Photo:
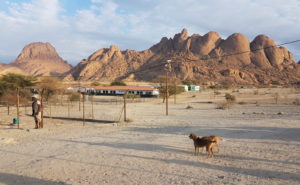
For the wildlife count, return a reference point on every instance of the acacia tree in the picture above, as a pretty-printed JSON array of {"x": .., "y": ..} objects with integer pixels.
[
  {"x": 172, "y": 87},
  {"x": 48, "y": 86},
  {"x": 15, "y": 83}
]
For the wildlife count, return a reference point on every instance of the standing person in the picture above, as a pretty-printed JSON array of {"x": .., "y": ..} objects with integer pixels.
[{"x": 36, "y": 111}]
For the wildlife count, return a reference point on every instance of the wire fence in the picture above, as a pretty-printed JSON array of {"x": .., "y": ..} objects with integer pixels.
[{"x": 97, "y": 109}]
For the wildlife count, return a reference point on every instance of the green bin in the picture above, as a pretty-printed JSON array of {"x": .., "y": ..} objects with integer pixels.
[{"x": 16, "y": 121}]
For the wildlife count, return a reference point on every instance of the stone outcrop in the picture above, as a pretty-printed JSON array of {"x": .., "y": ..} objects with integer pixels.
[
  {"x": 109, "y": 64},
  {"x": 207, "y": 58},
  {"x": 40, "y": 59}
]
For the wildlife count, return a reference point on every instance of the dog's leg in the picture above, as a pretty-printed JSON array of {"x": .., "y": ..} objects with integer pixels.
[
  {"x": 218, "y": 147},
  {"x": 211, "y": 152}
]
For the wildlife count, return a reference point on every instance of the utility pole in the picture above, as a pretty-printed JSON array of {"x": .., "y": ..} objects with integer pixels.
[
  {"x": 167, "y": 68},
  {"x": 42, "y": 109},
  {"x": 92, "y": 99},
  {"x": 79, "y": 93},
  {"x": 83, "y": 110},
  {"x": 175, "y": 91},
  {"x": 125, "y": 96},
  {"x": 18, "y": 103}
]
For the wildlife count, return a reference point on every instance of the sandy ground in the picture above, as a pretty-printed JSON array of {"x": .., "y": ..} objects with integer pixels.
[{"x": 261, "y": 143}]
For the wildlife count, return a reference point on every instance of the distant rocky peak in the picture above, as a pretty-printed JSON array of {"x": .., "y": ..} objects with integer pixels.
[{"x": 37, "y": 50}]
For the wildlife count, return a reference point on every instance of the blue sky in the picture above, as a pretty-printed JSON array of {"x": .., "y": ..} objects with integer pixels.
[{"x": 77, "y": 28}]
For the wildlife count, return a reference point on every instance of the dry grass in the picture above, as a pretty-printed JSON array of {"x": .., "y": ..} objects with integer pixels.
[
  {"x": 189, "y": 107},
  {"x": 128, "y": 120},
  {"x": 242, "y": 103},
  {"x": 224, "y": 105},
  {"x": 230, "y": 97},
  {"x": 296, "y": 101}
]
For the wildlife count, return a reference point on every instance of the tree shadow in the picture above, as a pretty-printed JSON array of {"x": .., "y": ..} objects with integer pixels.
[
  {"x": 12, "y": 179},
  {"x": 272, "y": 133},
  {"x": 251, "y": 172},
  {"x": 77, "y": 119},
  {"x": 135, "y": 146},
  {"x": 117, "y": 167},
  {"x": 167, "y": 148},
  {"x": 81, "y": 119}
]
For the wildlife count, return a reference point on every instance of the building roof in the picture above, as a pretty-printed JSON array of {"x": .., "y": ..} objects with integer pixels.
[{"x": 122, "y": 88}]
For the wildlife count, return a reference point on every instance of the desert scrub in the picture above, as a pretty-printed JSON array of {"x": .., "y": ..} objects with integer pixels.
[
  {"x": 255, "y": 92},
  {"x": 189, "y": 107},
  {"x": 74, "y": 96},
  {"x": 296, "y": 101},
  {"x": 242, "y": 103},
  {"x": 224, "y": 105},
  {"x": 217, "y": 92},
  {"x": 230, "y": 98}
]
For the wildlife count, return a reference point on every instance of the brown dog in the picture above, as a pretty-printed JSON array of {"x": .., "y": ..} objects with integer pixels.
[
  {"x": 217, "y": 140},
  {"x": 202, "y": 142}
]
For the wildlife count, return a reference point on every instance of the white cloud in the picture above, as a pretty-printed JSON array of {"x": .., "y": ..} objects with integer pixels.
[{"x": 137, "y": 24}]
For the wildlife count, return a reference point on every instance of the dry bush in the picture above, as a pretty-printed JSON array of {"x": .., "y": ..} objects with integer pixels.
[
  {"x": 74, "y": 96},
  {"x": 128, "y": 120},
  {"x": 224, "y": 105},
  {"x": 242, "y": 103},
  {"x": 189, "y": 107},
  {"x": 230, "y": 98},
  {"x": 235, "y": 91},
  {"x": 10, "y": 97},
  {"x": 276, "y": 97},
  {"x": 217, "y": 92},
  {"x": 296, "y": 101}
]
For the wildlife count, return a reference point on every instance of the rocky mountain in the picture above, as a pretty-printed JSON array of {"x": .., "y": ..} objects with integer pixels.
[
  {"x": 207, "y": 58},
  {"x": 38, "y": 59}
]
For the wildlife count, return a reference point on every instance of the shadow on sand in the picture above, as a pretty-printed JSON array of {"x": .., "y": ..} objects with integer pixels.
[
  {"x": 272, "y": 133},
  {"x": 12, "y": 179},
  {"x": 267, "y": 174}
]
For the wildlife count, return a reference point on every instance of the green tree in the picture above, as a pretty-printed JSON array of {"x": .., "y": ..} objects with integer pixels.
[
  {"x": 95, "y": 84},
  {"x": 13, "y": 81},
  {"x": 13, "y": 85},
  {"x": 118, "y": 83},
  {"x": 49, "y": 86}
]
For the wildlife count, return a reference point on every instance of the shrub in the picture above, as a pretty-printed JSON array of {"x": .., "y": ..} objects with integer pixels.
[
  {"x": 118, "y": 83},
  {"x": 132, "y": 96},
  {"x": 128, "y": 120},
  {"x": 230, "y": 98},
  {"x": 217, "y": 92},
  {"x": 242, "y": 103},
  {"x": 189, "y": 107},
  {"x": 296, "y": 101},
  {"x": 74, "y": 96},
  {"x": 171, "y": 89},
  {"x": 224, "y": 105},
  {"x": 95, "y": 84},
  {"x": 276, "y": 97}
]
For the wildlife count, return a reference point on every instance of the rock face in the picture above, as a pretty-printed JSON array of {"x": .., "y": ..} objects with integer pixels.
[
  {"x": 37, "y": 59},
  {"x": 41, "y": 59},
  {"x": 207, "y": 58},
  {"x": 109, "y": 64}
]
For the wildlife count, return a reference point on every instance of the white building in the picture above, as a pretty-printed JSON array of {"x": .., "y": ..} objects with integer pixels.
[{"x": 143, "y": 91}]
